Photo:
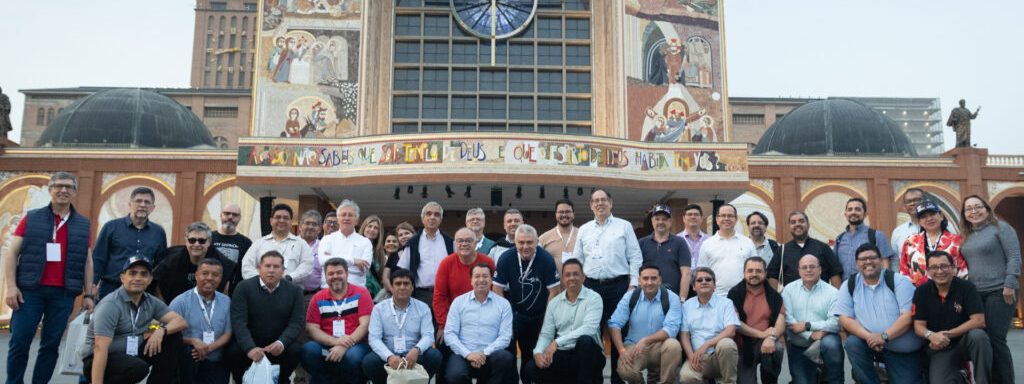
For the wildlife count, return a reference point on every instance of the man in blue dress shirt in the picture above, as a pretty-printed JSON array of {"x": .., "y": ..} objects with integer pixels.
[{"x": 478, "y": 329}]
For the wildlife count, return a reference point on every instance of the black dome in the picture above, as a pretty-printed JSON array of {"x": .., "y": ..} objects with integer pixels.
[
  {"x": 835, "y": 127},
  {"x": 126, "y": 117}
]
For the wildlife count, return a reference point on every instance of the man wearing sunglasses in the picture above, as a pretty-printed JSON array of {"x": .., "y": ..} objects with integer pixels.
[
  {"x": 709, "y": 324},
  {"x": 177, "y": 273}
]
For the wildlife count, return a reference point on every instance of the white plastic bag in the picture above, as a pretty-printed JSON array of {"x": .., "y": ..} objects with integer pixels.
[
  {"x": 261, "y": 372},
  {"x": 71, "y": 354},
  {"x": 414, "y": 375}
]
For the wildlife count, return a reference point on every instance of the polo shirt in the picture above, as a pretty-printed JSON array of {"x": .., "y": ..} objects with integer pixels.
[
  {"x": 647, "y": 316},
  {"x": 608, "y": 250},
  {"x": 53, "y": 272},
  {"x": 117, "y": 317},
  {"x": 877, "y": 307},
  {"x": 324, "y": 309},
  {"x": 726, "y": 258},
  {"x": 705, "y": 321},
  {"x": 527, "y": 283},
  {"x": 190, "y": 306},
  {"x": 119, "y": 240},
  {"x": 847, "y": 245},
  {"x": 669, "y": 256},
  {"x": 945, "y": 313},
  {"x": 789, "y": 261}
]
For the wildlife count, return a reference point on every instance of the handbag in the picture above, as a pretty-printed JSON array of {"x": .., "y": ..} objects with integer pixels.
[
  {"x": 71, "y": 353},
  {"x": 415, "y": 375},
  {"x": 261, "y": 372}
]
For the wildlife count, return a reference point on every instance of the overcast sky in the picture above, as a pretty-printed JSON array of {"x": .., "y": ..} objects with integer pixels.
[{"x": 780, "y": 48}]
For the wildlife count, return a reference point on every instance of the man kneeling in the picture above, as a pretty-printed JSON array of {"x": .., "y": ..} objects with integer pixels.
[
  {"x": 643, "y": 329},
  {"x": 478, "y": 329},
  {"x": 709, "y": 324},
  {"x": 948, "y": 312}
]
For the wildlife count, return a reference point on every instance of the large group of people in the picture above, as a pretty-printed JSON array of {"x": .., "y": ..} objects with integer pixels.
[{"x": 349, "y": 301}]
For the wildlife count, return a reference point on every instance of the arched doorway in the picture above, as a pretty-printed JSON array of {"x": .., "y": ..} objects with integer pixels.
[{"x": 1011, "y": 210}]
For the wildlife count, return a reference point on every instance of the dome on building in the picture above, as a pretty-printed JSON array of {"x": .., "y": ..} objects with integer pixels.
[
  {"x": 126, "y": 118},
  {"x": 835, "y": 127}
]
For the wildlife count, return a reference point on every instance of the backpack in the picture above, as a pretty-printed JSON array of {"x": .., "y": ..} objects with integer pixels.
[
  {"x": 888, "y": 275},
  {"x": 635, "y": 297},
  {"x": 871, "y": 237}
]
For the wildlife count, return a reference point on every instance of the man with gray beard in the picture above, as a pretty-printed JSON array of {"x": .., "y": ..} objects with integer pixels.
[{"x": 229, "y": 242}]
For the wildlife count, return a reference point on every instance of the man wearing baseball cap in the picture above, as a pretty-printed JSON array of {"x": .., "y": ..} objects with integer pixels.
[
  {"x": 119, "y": 347},
  {"x": 669, "y": 252}
]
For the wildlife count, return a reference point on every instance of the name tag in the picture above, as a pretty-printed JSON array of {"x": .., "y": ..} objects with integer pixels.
[
  {"x": 53, "y": 252},
  {"x": 338, "y": 329},
  {"x": 208, "y": 337},
  {"x": 399, "y": 344},
  {"x": 133, "y": 346}
]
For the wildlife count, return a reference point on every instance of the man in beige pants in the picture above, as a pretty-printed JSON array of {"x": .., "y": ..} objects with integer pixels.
[
  {"x": 643, "y": 327},
  {"x": 709, "y": 325}
]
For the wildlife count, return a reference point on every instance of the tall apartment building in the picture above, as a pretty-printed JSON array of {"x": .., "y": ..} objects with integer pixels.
[{"x": 224, "y": 45}]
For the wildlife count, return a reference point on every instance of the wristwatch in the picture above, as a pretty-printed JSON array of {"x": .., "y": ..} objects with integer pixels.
[
  {"x": 928, "y": 334},
  {"x": 885, "y": 337},
  {"x": 807, "y": 326}
]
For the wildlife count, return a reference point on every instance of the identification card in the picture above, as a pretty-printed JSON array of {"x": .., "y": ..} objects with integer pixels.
[
  {"x": 399, "y": 344},
  {"x": 53, "y": 252},
  {"x": 208, "y": 337},
  {"x": 338, "y": 329},
  {"x": 133, "y": 346}
]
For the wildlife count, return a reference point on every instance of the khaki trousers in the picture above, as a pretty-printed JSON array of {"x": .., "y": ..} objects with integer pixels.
[
  {"x": 665, "y": 356},
  {"x": 719, "y": 365}
]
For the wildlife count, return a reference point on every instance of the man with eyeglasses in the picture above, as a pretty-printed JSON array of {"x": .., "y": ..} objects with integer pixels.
[
  {"x": 706, "y": 334},
  {"x": 298, "y": 257},
  {"x": 726, "y": 251},
  {"x": 229, "y": 242},
  {"x": 610, "y": 253},
  {"x": 527, "y": 278},
  {"x": 330, "y": 224},
  {"x": 46, "y": 266},
  {"x": 177, "y": 273},
  {"x": 812, "y": 333},
  {"x": 693, "y": 218},
  {"x": 876, "y": 315},
  {"x": 559, "y": 241},
  {"x": 475, "y": 220},
  {"x": 453, "y": 277},
  {"x": 131, "y": 236},
  {"x": 950, "y": 316}
]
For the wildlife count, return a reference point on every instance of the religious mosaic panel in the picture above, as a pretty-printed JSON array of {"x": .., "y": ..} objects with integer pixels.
[
  {"x": 675, "y": 77},
  {"x": 307, "y": 65}
]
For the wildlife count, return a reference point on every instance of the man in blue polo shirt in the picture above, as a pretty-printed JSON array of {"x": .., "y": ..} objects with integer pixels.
[
  {"x": 208, "y": 314},
  {"x": 130, "y": 236},
  {"x": 877, "y": 318},
  {"x": 669, "y": 252}
]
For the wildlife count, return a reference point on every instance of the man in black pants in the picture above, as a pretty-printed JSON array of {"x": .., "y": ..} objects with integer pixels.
[{"x": 266, "y": 318}]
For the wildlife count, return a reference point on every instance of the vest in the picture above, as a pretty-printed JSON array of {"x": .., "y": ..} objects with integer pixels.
[
  {"x": 38, "y": 232},
  {"x": 414, "y": 251},
  {"x": 738, "y": 295}
]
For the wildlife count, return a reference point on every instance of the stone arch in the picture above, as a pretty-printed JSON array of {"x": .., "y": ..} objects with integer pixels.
[
  {"x": 113, "y": 201},
  {"x": 824, "y": 206}
]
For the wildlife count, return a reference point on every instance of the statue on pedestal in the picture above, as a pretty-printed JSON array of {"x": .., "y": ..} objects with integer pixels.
[
  {"x": 960, "y": 119},
  {"x": 5, "y": 114}
]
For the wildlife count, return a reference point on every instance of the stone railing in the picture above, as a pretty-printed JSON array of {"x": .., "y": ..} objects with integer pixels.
[{"x": 1005, "y": 161}]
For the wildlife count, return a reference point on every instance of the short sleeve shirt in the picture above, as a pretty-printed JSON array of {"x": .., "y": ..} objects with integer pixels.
[
  {"x": 324, "y": 310},
  {"x": 191, "y": 307},
  {"x": 231, "y": 246},
  {"x": 117, "y": 317},
  {"x": 527, "y": 283},
  {"x": 944, "y": 313},
  {"x": 669, "y": 256}
]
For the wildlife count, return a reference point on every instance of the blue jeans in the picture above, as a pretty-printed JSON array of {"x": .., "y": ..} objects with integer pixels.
[
  {"x": 348, "y": 370},
  {"x": 52, "y": 306},
  {"x": 901, "y": 367},
  {"x": 373, "y": 365},
  {"x": 997, "y": 324},
  {"x": 804, "y": 371},
  {"x": 499, "y": 369}
]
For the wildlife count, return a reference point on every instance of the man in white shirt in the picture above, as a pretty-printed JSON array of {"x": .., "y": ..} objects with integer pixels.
[
  {"x": 298, "y": 257},
  {"x": 348, "y": 244},
  {"x": 423, "y": 253},
  {"x": 726, "y": 251}
]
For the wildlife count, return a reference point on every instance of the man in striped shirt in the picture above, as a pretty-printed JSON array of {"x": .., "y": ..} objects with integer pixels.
[{"x": 337, "y": 320}]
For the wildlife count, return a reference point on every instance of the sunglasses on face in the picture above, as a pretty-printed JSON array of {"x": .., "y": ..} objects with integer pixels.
[
  {"x": 704, "y": 280},
  {"x": 193, "y": 240}
]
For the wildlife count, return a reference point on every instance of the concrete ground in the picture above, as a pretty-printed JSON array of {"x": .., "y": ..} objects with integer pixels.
[{"x": 1015, "y": 339}]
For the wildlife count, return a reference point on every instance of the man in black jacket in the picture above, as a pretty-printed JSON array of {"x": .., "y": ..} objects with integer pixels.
[
  {"x": 762, "y": 323},
  {"x": 424, "y": 252},
  {"x": 177, "y": 272},
  {"x": 266, "y": 318}
]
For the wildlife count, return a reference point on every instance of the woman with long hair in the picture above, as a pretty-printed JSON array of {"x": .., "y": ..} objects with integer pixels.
[
  {"x": 934, "y": 236},
  {"x": 992, "y": 249},
  {"x": 393, "y": 243},
  {"x": 372, "y": 229}
]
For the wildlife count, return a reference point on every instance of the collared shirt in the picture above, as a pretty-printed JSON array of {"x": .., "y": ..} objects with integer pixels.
[
  {"x": 877, "y": 307},
  {"x": 901, "y": 233},
  {"x": 351, "y": 248},
  {"x": 694, "y": 244},
  {"x": 789, "y": 261},
  {"x": 846, "y": 247},
  {"x": 705, "y": 321},
  {"x": 498, "y": 249},
  {"x": 942, "y": 313},
  {"x": 527, "y": 284},
  {"x": 560, "y": 246},
  {"x": 119, "y": 240},
  {"x": 609, "y": 250},
  {"x": 647, "y": 317},
  {"x": 298, "y": 258},
  {"x": 325, "y": 310},
  {"x": 432, "y": 252},
  {"x": 267, "y": 288},
  {"x": 912, "y": 257},
  {"x": 565, "y": 322},
  {"x": 191, "y": 308},
  {"x": 764, "y": 250},
  {"x": 669, "y": 256},
  {"x": 814, "y": 305},
  {"x": 312, "y": 282},
  {"x": 726, "y": 258},
  {"x": 117, "y": 317},
  {"x": 473, "y": 326},
  {"x": 416, "y": 327}
]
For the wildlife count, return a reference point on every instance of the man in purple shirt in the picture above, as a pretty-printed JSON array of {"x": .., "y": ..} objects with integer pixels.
[{"x": 693, "y": 217}]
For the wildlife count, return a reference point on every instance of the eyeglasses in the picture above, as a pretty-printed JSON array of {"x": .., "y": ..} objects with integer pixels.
[
  {"x": 200, "y": 240},
  {"x": 704, "y": 280},
  {"x": 465, "y": 241},
  {"x": 938, "y": 268},
  {"x": 868, "y": 258},
  {"x": 727, "y": 216},
  {"x": 600, "y": 200},
  {"x": 231, "y": 214},
  {"x": 974, "y": 208},
  {"x": 60, "y": 187}
]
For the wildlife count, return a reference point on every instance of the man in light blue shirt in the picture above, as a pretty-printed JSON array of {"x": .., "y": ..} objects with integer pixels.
[
  {"x": 877, "y": 318},
  {"x": 809, "y": 304},
  {"x": 858, "y": 233},
  {"x": 208, "y": 314},
  {"x": 400, "y": 331},
  {"x": 568, "y": 345},
  {"x": 650, "y": 317},
  {"x": 478, "y": 329},
  {"x": 709, "y": 324}
]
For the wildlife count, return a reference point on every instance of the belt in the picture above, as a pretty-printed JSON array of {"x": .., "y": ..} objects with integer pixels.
[{"x": 613, "y": 280}]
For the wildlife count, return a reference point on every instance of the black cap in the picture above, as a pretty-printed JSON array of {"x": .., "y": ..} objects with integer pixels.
[
  {"x": 927, "y": 206},
  {"x": 661, "y": 208},
  {"x": 137, "y": 260}
]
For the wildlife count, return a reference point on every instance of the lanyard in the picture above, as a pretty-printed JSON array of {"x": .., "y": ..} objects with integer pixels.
[
  {"x": 526, "y": 272},
  {"x": 57, "y": 227},
  {"x": 207, "y": 315},
  {"x": 565, "y": 240},
  {"x": 135, "y": 320},
  {"x": 394, "y": 311}
]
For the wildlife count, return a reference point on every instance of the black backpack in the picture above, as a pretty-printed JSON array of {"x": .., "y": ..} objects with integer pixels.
[
  {"x": 635, "y": 297},
  {"x": 871, "y": 237},
  {"x": 888, "y": 275}
]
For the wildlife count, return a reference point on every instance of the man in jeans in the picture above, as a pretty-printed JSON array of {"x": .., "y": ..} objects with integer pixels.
[
  {"x": 809, "y": 302},
  {"x": 44, "y": 272}
]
